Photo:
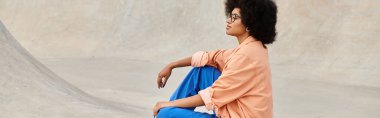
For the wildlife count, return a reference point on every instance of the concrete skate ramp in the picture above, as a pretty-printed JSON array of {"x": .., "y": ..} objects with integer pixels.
[
  {"x": 321, "y": 37},
  {"x": 325, "y": 62},
  {"x": 328, "y": 40},
  {"x": 118, "y": 28},
  {"x": 29, "y": 89}
]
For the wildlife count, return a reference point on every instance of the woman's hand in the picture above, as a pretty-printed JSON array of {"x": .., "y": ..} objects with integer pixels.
[
  {"x": 163, "y": 76},
  {"x": 158, "y": 106}
]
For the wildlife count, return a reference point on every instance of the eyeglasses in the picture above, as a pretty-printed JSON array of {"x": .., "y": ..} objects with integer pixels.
[{"x": 233, "y": 17}]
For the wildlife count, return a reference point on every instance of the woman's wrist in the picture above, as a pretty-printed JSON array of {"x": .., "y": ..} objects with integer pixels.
[
  {"x": 172, "y": 65},
  {"x": 169, "y": 104}
]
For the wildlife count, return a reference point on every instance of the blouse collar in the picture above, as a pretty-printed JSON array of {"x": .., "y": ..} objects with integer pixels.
[{"x": 248, "y": 40}]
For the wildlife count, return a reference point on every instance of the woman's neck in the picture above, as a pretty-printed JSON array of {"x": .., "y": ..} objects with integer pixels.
[{"x": 242, "y": 37}]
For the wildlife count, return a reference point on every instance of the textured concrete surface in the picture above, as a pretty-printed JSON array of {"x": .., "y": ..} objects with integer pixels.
[
  {"x": 325, "y": 62},
  {"x": 29, "y": 89}
]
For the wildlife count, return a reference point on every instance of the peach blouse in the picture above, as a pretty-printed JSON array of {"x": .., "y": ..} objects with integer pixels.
[{"x": 244, "y": 88}]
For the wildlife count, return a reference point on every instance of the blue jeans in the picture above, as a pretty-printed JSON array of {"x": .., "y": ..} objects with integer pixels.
[{"x": 197, "y": 79}]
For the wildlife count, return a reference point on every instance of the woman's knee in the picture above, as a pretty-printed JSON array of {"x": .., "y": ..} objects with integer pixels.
[{"x": 211, "y": 69}]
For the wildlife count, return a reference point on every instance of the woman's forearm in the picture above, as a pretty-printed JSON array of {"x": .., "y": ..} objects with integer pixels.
[
  {"x": 193, "y": 101},
  {"x": 181, "y": 63}
]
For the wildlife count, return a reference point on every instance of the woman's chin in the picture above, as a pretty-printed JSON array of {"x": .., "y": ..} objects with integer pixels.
[{"x": 229, "y": 33}]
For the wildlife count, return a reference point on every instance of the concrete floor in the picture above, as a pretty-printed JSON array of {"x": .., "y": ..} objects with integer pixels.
[{"x": 132, "y": 82}]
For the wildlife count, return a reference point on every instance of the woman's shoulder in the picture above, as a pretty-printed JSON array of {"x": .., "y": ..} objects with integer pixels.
[{"x": 254, "y": 50}]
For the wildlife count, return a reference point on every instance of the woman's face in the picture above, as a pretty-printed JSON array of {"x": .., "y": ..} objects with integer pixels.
[{"x": 235, "y": 26}]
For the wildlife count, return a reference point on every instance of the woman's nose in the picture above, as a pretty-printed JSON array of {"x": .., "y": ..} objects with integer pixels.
[{"x": 228, "y": 21}]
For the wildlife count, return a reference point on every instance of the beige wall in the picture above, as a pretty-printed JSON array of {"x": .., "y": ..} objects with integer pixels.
[{"x": 317, "y": 39}]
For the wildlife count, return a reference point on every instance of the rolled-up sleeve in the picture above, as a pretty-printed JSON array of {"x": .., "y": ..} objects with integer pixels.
[
  {"x": 237, "y": 79},
  {"x": 206, "y": 97},
  {"x": 212, "y": 58}
]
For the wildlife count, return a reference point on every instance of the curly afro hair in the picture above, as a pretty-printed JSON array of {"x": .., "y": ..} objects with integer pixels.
[{"x": 259, "y": 16}]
